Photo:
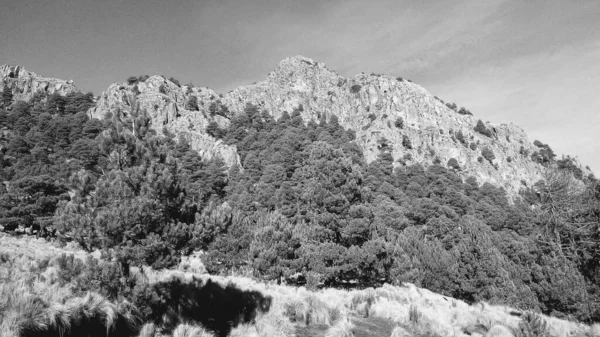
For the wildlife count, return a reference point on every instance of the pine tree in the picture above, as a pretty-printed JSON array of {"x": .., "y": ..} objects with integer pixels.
[{"x": 7, "y": 96}]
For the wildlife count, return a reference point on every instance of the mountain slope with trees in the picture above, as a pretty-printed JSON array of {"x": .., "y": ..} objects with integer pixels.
[{"x": 303, "y": 202}]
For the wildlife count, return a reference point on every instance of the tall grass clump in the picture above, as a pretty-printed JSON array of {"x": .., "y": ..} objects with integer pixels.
[
  {"x": 187, "y": 330},
  {"x": 343, "y": 328},
  {"x": 532, "y": 325}
]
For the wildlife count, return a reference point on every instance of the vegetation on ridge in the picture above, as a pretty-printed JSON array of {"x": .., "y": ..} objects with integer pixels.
[{"x": 305, "y": 208}]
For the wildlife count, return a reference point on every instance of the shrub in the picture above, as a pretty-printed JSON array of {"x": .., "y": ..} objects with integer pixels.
[
  {"x": 7, "y": 96},
  {"x": 568, "y": 164},
  {"x": 463, "y": 111},
  {"x": 414, "y": 315},
  {"x": 480, "y": 159},
  {"x": 192, "y": 104},
  {"x": 538, "y": 143},
  {"x": 399, "y": 79},
  {"x": 488, "y": 154},
  {"x": 214, "y": 130},
  {"x": 175, "y": 81},
  {"x": 406, "y": 142},
  {"x": 480, "y": 127},
  {"x": 453, "y": 163},
  {"x": 532, "y": 325},
  {"x": 473, "y": 146},
  {"x": 509, "y": 159},
  {"x": 372, "y": 117},
  {"x": 399, "y": 123},
  {"x": 143, "y": 78},
  {"x": 451, "y": 106},
  {"x": 162, "y": 89},
  {"x": 132, "y": 80},
  {"x": 461, "y": 138},
  {"x": 355, "y": 88}
]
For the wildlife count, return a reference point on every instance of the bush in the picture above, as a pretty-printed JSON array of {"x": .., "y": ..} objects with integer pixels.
[
  {"x": 214, "y": 130},
  {"x": 453, "y": 163},
  {"x": 399, "y": 123},
  {"x": 355, "y": 88},
  {"x": 451, "y": 106},
  {"x": 162, "y": 89},
  {"x": 463, "y": 111},
  {"x": 461, "y": 138},
  {"x": 488, "y": 154},
  {"x": 399, "y": 79},
  {"x": 143, "y": 78},
  {"x": 480, "y": 127},
  {"x": 175, "y": 81},
  {"x": 473, "y": 146},
  {"x": 192, "y": 104},
  {"x": 372, "y": 117},
  {"x": 406, "y": 142},
  {"x": 532, "y": 324},
  {"x": 132, "y": 80}
]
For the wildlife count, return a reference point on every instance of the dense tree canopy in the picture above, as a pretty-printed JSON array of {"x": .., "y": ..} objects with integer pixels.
[{"x": 304, "y": 206}]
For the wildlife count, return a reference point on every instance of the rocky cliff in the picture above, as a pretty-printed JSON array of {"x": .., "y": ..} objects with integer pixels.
[
  {"x": 24, "y": 83},
  {"x": 167, "y": 105},
  {"x": 397, "y": 114}
]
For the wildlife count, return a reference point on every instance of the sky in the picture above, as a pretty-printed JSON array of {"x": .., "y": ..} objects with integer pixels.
[{"x": 535, "y": 63}]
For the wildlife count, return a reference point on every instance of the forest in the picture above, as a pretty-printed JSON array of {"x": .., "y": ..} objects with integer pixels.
[{"x": 304, "y": 208}]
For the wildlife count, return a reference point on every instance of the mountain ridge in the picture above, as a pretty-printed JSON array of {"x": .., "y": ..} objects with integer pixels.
[{"x": 387, "y": 114}]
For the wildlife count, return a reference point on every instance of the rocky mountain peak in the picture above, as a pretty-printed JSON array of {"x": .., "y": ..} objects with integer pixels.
[
  {"x": 24, "y": 83},
  {"x": 396, "y": 115}
]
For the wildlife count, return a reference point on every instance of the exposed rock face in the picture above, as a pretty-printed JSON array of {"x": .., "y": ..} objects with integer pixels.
[
  {"x": 24, "y": 84},
  {"x": 371, "y": 105},
  {"x": 165, "y": 103}
]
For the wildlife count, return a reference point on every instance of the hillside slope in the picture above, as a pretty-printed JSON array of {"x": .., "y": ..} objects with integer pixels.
[{"x": 34, "y": 268}]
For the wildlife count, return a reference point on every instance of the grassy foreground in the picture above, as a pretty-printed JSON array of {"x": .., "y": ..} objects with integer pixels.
[{"x": 33, "y": 302}]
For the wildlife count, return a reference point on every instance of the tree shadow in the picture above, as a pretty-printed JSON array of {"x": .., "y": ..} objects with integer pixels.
[{"x": 218, "y": 308}]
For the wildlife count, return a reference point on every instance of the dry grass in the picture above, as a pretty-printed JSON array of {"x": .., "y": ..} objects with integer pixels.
[
  {"x": 27, "y": 309},
  {"x": 31, "y": 299},
  {"x": 187, "y": 330}
]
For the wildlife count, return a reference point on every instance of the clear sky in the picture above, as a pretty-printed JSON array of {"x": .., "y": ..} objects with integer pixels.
[{"x": 532, "y": 62}]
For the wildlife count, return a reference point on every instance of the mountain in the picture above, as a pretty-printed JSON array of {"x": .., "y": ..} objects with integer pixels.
[
  {"x": 305, "y": 207},
  {"x": 24, "y": 83},
  {"x": 385, "y": 112}
]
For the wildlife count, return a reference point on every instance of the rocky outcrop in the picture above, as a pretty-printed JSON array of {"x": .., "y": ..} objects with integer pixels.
[
  {"x": 400, "y": 115},
  {"x": 166, "y": 104},
  {"x": 24, "y": 84}
]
